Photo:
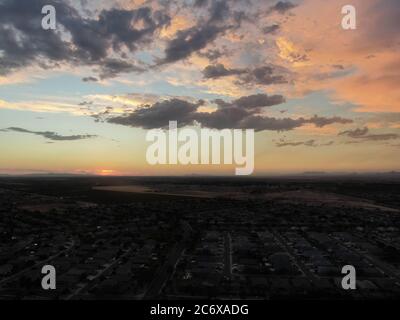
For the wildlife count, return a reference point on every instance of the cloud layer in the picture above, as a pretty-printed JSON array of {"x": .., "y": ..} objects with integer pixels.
[
  {"x": 49, "y": 134},
  {"x": 78, "y": 40},
  {"x": 243, "y": 113},
  {"x": 363, "y": 134}
]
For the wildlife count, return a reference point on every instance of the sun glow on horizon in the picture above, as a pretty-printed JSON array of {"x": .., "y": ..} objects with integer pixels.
[{"x": 106, "y": 172}]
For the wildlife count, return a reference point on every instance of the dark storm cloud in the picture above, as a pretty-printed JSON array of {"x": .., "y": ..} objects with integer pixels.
[
  {"x": 282, "y": 7},
  {"x": 89, "y": 41},
  {"x": 363, "y": 135},
  {"x": 49, "y": 134},
  {"x": 264, "y": 75},
  {"x": 219, "y": 70},
  {"x": 242, "y": 113}
]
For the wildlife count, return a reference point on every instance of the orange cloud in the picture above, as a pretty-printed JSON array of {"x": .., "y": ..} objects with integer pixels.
[{"x": 359, "y": 66}]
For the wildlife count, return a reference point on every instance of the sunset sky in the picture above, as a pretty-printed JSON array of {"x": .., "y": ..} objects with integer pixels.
[{"x": 80, "y": 99}]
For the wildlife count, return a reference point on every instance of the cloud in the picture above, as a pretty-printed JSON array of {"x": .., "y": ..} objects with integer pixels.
[
  {"x": 65, "y": 105},
  {"x": 292, "y": 53},
  {"x": 219, "y": 70},
  {"x": 242, "y": 113},
  {"x": 323, "y": 121},
  {"x": 260, "y": 123},
  {"x": 101, "y": 116},
  {"x": 219, "y": 11},
  {"x": 356, "y": 133},
  {"x": 381, "y": 137},
  {"x": 308, "y": 143},
  {"x": 78, "y": 40},
  {"x": 159, "y": 114},
  {"x": 226, "y": 118},
  {"x": 90, "y": 79},
  {"x": 384, "y": 120},
  {"x": 369, "y": 55},
  {"x": 188, "y": 41},
  {"x": 264, "y": 75},
  {"x": 212, "y": 54},
  {"x": 258, "y": 100},
  {"x": 271, "y": 29},
  {"x": 111, "y": 68},
  {"x": 49, "y": 134},
  {"x": 200, "y": 3},
  {"x": 282, "y": 7},
  {"x": 363, "y": 134}
]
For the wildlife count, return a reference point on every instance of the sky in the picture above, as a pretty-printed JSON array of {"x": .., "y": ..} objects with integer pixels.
[{"x": 80, "y": 99}]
